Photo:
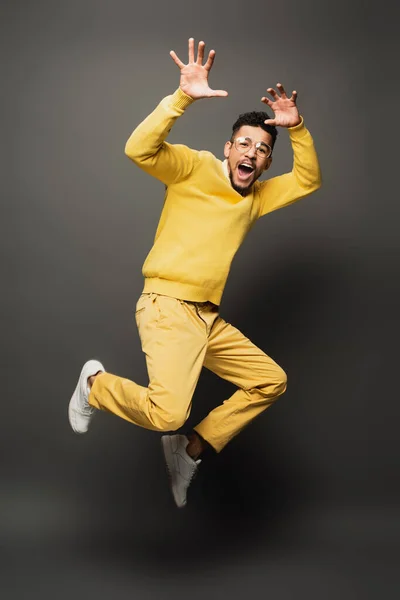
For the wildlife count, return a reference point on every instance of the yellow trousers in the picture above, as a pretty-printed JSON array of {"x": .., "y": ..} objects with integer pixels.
[{"x": 178, "y": 339}]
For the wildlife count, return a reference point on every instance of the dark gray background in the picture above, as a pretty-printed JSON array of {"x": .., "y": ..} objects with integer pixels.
[{"x": 304, "y": 503}]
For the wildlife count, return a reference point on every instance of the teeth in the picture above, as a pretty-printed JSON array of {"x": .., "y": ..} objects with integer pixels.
[{"x": 246, "y": 165}]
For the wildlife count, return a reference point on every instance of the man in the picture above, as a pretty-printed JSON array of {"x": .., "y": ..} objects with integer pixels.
[{"x": 209, "y": 208}]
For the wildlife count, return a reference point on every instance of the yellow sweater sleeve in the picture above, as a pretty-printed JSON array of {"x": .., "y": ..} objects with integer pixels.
[
  {"x": 148, "y": 149},
  {"x": 304, "y": 178}
]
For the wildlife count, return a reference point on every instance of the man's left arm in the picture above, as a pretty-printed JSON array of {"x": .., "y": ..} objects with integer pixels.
[{"x": 305, "y": 176}]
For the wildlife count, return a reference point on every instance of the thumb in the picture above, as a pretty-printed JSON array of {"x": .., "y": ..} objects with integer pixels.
[
  {"x": 218, "y": 93},
  {"x": 270, "y": 122}
]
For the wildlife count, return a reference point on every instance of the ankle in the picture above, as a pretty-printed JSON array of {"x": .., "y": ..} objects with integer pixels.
[
  {"x": 92, "y": 378},
  {"x": 195, "y": 446}
]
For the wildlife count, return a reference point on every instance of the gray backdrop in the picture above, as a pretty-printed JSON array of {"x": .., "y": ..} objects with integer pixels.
[{"x": 304, "y": 503}]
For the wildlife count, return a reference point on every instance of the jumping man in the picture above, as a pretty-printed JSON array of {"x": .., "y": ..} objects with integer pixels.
[{"x": 209, "y": 207}]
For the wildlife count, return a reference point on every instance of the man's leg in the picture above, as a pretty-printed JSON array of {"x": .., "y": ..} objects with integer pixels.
[
  {"x": 260, "y": 380},
  {"x": 175, "y": 351},
  {"x": 182, "y": 464}
]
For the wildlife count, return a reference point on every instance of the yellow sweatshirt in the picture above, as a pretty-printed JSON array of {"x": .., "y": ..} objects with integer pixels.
[{"x": 204, "y": 220}]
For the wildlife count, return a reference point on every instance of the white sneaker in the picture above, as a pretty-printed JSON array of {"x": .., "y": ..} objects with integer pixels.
[
  {"x": 181, "y": 467},
  {"x": 80, "y": 412}
]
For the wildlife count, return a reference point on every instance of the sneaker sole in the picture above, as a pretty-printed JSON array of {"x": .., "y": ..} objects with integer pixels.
[
  {"x": 169, "y": 463},
  {"x": 73, "y": 404},
  {"x": 71, "y": 416}
]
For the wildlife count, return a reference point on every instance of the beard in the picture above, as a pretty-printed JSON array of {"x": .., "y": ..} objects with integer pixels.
[{"x": 243, "y": 191}]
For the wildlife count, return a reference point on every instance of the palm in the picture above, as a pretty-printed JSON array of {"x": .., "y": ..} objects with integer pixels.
[
  {"x": 194, "y": 81},
  {"x": 194, "y": 75},
  {"x": 285, "y": 110}
]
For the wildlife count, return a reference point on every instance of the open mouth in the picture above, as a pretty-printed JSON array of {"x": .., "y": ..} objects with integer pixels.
[{"x": 245, "y": 170}]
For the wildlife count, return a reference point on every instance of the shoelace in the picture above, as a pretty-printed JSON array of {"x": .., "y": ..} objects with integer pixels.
[
  {"x": 194, "y": 472},
  {"x": 192, "y": 477},
  {"x": 87, "y": 410}
]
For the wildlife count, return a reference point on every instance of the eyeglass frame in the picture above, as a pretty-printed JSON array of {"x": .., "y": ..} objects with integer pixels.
[{"x": 256, "y": 144}]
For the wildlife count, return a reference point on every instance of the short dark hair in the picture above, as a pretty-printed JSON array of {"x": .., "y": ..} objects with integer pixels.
[{"x": 255, "y": 119}]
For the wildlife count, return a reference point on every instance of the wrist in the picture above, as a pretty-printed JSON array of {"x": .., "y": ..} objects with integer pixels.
[
  {"x": 182, "y": 89},
  {"x": 181, "y": 99},
  {"x": 298, "y": 125}
]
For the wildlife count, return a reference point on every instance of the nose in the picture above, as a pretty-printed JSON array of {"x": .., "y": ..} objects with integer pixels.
[{"x": 251, "y": 152}]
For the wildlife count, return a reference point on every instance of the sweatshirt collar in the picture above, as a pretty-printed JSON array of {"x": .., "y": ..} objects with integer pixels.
[{"x": 225, "y": 168}]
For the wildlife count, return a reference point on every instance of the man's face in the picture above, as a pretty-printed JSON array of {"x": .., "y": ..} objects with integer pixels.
[{"x": 246, "y": 167}]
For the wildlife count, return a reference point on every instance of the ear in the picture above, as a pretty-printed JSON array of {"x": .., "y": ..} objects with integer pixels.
[
  {"x": 227, "y": 149},
  {"x": 268, "y": 163}
]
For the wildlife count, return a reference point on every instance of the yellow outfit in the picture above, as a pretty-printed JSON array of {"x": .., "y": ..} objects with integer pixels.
[{"x": 202, "y": 224}]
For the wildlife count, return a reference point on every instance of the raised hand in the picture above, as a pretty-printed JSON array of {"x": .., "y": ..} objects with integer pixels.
[
  {"x": 194, "y": 75},
  {"x": 285, "y": 109}
]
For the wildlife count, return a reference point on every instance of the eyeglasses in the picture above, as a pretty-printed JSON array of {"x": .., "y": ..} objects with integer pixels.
[{"x": 243, "y": 144}]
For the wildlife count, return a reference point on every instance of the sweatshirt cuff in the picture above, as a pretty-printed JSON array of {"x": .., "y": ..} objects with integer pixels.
[
  {"x": 181, "y": 100},
  {"x": 298, "y": 131}
]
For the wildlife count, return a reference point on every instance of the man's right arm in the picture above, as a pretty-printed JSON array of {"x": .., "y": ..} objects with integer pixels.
[
  {"x": 149, "y": 150},
  {"x": 147, "y": 146}
]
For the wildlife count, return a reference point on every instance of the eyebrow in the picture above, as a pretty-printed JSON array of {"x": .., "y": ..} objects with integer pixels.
[{"x": 247, "y": 137}]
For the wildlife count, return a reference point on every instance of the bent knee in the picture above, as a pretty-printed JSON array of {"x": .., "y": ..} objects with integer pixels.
[
  {"x": 276, "y": 385},
  {"x": 282, "y": 382},
  {"x": 170, "y": 421}
]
